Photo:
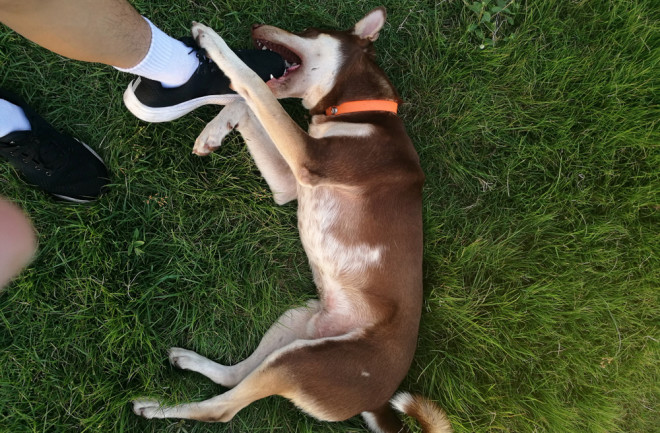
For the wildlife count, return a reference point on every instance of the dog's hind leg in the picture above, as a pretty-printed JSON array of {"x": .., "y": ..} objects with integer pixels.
[
  {"x": 291, "y": 326},
  {"x": 222, "y": 408},
  {"x": 255, "y": 377},
  {"x": 270, "y": 162},
  {"x": 217, "y": 129},
  {"x": 274, "y": 375}
]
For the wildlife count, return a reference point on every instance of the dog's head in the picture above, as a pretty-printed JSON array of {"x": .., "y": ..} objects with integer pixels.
[{"x": 318, "y": 59}]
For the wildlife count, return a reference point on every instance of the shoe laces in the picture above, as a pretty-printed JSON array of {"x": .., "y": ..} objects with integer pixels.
[
  {"x": 41, "y": 154},
  {"x": 206, "y": 65}
]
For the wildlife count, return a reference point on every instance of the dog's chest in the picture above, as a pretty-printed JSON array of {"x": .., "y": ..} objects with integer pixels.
[{"x": 327, "y": 222}]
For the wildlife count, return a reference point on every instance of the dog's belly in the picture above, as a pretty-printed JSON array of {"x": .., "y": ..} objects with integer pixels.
[{"x": 340, "y": 262}]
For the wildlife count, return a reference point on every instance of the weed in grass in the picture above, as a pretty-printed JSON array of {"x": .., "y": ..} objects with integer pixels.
[{"x": 494, "y": 20}]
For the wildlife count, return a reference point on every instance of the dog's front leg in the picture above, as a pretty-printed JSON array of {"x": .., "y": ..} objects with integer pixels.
[
  {"x": 270, "y": 162},
  {"x": 287, "y": 136},
  {"x": 217, "y": 129}
]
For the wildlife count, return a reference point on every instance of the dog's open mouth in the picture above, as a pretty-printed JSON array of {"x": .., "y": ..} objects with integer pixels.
[{"x": 291, "y": 60}]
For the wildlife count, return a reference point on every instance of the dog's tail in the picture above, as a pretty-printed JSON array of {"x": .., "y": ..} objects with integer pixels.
[{"x": 430, "y": 416}]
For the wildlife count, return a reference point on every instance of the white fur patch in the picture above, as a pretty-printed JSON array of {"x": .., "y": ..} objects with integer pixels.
[
  {"x": 340, "y": 129},
  {"x": 370, "y": 419},
  {"x": 401, "y": 401},
  {"x": 318, "y": 212},
  {"x": 322, "y": 59},
  {"x": 298, "y": 344},
  {"x": 343, "y": 259}
]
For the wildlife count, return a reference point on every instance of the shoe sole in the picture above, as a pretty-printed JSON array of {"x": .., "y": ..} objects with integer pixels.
[
  {"x": 166, "y": 114},
  {"x": 80, "y": 200}
]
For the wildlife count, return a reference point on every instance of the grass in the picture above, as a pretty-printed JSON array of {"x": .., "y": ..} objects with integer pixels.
[{"x": 541, "y": 227}]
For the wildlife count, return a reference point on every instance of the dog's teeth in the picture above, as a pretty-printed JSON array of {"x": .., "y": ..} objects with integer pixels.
[
  {"x": 287, "y": 64},
  {"x": 271, "y": 77},
  {"x": 264, "y": 48}
]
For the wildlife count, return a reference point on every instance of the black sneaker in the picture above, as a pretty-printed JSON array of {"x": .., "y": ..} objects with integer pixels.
[
  {"x": 148, "y": 100},
  {"x": 58, "y": 164}
]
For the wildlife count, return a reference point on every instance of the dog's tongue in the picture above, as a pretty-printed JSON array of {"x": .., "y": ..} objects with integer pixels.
[{"x": 267, "y": 64}]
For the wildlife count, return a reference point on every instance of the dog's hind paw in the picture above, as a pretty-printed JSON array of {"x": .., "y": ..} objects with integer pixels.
[
  {"x": 184, "y": 359},
  {"x": 147, "y": 408}
]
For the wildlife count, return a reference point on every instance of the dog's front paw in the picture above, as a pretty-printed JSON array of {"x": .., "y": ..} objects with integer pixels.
[
  {"x": 147, "y": 408},
  {"x": 201, "y": 34},
  {"x": 215, "y": 132},
  {"x": 215, "y": 47},
  {"x": 211, "y": 138}
]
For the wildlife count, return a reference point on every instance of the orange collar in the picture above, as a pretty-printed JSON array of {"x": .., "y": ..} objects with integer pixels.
[{"x": 366, "y": 105}]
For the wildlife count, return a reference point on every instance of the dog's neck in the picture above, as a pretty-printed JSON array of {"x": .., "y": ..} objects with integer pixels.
[
  {"x": 353, "y": 102},
  {"x": 362, "y": 106},
  {"x": 356, "y": 81}
]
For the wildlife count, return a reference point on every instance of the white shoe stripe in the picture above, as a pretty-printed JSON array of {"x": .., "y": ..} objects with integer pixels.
[{"x": 165, "y": 114}]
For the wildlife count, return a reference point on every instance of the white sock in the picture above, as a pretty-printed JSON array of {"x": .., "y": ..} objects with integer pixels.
[
  {"x": 168, "y": 60},
  {"x": 12, "y": 118}
]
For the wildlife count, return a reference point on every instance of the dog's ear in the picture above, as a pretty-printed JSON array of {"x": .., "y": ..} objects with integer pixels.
[{"x": 369, "y": 26}]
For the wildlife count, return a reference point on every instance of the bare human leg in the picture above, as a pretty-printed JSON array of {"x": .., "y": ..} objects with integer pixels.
[{"x": 108, "y": 31}]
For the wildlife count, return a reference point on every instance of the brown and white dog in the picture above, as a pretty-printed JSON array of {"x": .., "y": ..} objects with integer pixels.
[{"x": 358, "y": 183}]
